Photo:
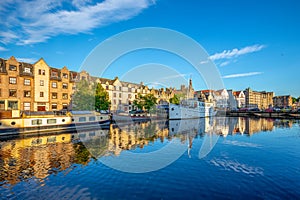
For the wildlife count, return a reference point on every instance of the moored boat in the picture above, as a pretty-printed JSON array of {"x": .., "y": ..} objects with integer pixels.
[
  {"x": 189, "y": 109},
  {"x": 47, "y": 121}
]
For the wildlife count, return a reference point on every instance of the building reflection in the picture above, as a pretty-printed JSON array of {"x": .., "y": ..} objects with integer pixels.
[{"x": 39, "y": 156}]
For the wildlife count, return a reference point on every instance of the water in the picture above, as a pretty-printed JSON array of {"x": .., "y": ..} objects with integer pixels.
[{"x": 221, "y": 158}]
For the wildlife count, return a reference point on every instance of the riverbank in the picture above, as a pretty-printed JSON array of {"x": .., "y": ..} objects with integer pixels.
[{"x": 280, "y": 115}]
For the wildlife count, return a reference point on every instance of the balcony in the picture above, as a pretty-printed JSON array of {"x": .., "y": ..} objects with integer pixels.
[
  {"x": 55, "y": 75},
  {"x": 26, "y": 69}
]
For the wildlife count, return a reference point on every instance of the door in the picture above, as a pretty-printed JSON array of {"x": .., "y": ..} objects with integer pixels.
[{"x": 41, "y": 108}]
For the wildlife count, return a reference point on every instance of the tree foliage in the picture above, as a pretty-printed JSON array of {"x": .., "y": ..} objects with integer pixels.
[
  {"x": 145, "y": 102},
  {"x": 101, "y": 98},
  {"x": 90, "y": 96},
  {"x": 175, "y": 100}
]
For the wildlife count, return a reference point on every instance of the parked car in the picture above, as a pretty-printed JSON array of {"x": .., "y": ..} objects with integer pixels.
[
  {"x": 276, "y": 109},
  {"x": 269, "y": 110},
  {"x": 286, "y": 110},
  {"x": 243, "y": 109},
  {"x": 254, "y": 109}
]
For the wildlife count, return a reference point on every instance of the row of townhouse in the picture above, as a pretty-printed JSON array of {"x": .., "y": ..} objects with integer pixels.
[
  {"x": 229, "y": 99},
  {"x": 39, "y": 87},
  {"x": 122, "y": 94},
  {"x": 34, "y": 87}
]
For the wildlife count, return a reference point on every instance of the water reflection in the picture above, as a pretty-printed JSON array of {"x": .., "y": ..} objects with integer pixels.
[{"x": 40, "y": 156}]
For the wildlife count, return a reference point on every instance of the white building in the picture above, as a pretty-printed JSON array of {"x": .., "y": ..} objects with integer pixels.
[{"x": 221, "y": 98}]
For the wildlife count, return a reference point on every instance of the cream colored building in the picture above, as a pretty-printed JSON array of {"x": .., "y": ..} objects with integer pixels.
[
  {"x": 41, "y": 86},
  {"x": 261, "y": 100}
]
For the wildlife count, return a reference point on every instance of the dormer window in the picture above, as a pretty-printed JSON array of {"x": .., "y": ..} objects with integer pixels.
[
  {"x": 12, "y": 68},
  {"x": 54, "y": 74},
  {"x": 65, "y": 75},
  {"x": 27, "y": 70}
]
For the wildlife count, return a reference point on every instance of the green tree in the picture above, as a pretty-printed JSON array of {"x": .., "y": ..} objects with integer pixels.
[
  {"x": 101, "y": 98},
  {"x": 90, "y": 96},
  {"x": 145, "y": 102},
  {"x": 175, "y": 100},
  {"x": 82, "y": 98}
]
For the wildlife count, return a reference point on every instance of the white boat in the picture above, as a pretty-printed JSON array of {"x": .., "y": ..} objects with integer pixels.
[
  {"x": 39, "y": 122},
  {"x": 189, "y": 109}
]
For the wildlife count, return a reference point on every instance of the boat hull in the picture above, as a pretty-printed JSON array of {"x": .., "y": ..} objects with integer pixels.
[
  {"x": 46, "y": 124},
  {"x": 192, "y": 111}
]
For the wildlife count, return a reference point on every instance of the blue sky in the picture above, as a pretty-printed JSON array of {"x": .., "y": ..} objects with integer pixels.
[{"x": 253, "y": 43}]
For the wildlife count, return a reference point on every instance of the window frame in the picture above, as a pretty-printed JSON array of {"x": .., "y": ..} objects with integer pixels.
[
  {"x": 12, "y": 82},
  {"x": 27, "y": 80}
]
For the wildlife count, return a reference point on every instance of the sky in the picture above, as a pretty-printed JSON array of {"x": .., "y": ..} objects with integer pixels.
[{"x": 253, "y": 43}]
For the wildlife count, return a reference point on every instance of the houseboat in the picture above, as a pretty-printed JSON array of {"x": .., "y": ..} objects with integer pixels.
[{"x": 32, "y": 122}]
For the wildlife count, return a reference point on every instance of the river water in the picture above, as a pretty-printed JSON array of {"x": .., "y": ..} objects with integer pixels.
[{"x": 217, "y": 158}]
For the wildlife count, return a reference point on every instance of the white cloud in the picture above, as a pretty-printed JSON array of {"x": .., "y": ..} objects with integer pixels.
[
  {"x": 228, "y": 54},
  {"x": 204, "y": 62},
  {"x": 3, "y": 49},
  {"x": 27, "y": 60},
  {"x": 175, "y": 76},
  {"x": 242, "y": 75},
  {"x": 54, "y": 17},
  {"x": 224, "y": 63}
]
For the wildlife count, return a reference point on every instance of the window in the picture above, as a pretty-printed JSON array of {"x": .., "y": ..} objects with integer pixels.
[
  {"x": 82, "y": 119},
  {"x": 65, "y": 96},
  {"x": 120, "y": 95},
  {"x": 120, "y": 101},
  {"x": 54, "y": 95},
  {"x": 107, "y": 87},
  {"x": 129, "y": 96},
  {"x": 27, "y": 93},
  {"x": 65, "y": 106},
  {"x": 26, "y": 106},
  {"x": 115, "y": 95},
  {"x": 12, "y": 105},
  {"x": 42, "y": 83},
  {"x": 36, "y": 122},
  {"x": 51, "y": 139},
  {"x": 27, "y": 82},
  {"x": 54, "y": 74},
  {"x": 41, "y": 94},
  {"x": 54, "y": 106},
  {"x": 92, "y": 119},
  {"x": 12, "y": 68},
  {"x": 51, "y": 121},
  {"x": 65, "y": 86},
  {"x": 65, "y": 75},
  {"x": 13, "y": 93},
  {"x": 27, "y": 70},
  {"x": 2, "y": 105},
  {"x": 41, "y": 72},
  {"x": 120, "y": 88},
  {"x": 12, "y": 80},
  {"x": 114, "y": 101},
  {"x": 54, "y": 84},
  {"x": 37, "y": 141}
]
